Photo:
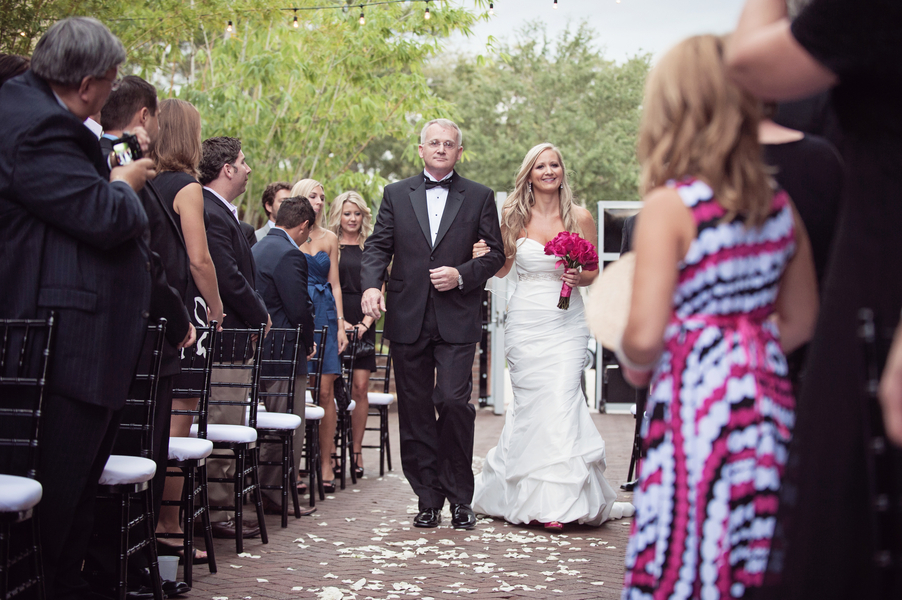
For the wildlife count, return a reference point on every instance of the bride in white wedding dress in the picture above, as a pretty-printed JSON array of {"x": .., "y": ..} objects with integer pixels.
[{"x": 548, "y": 466}]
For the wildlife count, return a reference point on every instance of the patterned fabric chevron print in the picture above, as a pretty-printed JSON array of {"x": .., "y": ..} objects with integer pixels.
[{"x": 720, "y": 411}]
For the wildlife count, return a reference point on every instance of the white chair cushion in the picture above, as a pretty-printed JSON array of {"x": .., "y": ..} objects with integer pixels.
[
  {"x": 19, "y": 493},
  {"x": 186, "y": 448},
  {"x": 351, "y": 406},
  {"x": 121, "y": 469},
  {"x": 633, "y": 410},
  {"x": 308, "y": 397},
  {"x": 313, "y": 412},
  {"x": 217, "y": 432},
  {"x": 380, "y": 398},
  {"x": 274, "y": 420}
]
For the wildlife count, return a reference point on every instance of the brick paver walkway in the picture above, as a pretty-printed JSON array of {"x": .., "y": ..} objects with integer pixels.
[{"x": 361, "y": 544}]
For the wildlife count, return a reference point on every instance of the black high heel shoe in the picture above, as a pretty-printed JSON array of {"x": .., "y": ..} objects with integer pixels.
[{"x": 358, "y": 470}]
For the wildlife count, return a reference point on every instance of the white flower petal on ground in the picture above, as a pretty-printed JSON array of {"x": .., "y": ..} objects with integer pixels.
[
  {"x": 236, "y": 566},
  {"x": 358, "y": 585},
  {"x": 262, "y": 580},
  {"x": 330, "y": 593},
  {"x": 248, "y": 555}
]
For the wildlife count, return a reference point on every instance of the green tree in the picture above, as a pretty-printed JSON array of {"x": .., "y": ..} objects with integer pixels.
[{"x": 561, "y": 91}]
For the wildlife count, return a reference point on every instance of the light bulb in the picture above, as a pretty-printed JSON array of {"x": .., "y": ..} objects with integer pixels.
[
  {"x": 491, "y": 8},
  {"x": 427, "y": 16},
  {"x": 362, "y": 19},
  {"x": 229, "y": 27},
  {"x": 296, "y": 22},
  {"x": 555, "y": 5}
]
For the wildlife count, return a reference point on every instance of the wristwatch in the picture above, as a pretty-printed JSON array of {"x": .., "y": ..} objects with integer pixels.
[{"x": 460, "y": 281}]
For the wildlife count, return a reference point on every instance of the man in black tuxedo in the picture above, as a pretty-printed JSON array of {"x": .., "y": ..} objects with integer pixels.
[
  {"x": 282, "y": 281},
  {"x": 224, "y": 174},
  {"x": 71, "y": 241},
  {"x": 429, "y": 224}
]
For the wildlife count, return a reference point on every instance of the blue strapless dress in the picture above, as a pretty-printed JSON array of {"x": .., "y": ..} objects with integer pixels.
[{"x": 320, "y": 291}]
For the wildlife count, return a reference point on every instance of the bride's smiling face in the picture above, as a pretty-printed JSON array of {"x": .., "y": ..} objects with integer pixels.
[{"x": 547, "y": 174}]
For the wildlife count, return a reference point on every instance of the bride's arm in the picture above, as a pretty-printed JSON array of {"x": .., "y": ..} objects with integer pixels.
[
  {"x": 480, "y": 248},
  {"x": 590, "y": 232}
]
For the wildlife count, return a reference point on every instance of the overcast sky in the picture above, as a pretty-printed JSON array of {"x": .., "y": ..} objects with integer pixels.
[{"x": 624, "y": 29}]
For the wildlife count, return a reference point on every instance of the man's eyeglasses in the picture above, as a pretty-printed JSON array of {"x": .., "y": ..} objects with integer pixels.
[
  {"x": 436, "y": 143},
  {"x": 114, "y": 83}
]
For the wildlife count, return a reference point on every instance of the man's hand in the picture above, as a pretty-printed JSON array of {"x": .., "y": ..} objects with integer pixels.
[
  {"x": 268, "y": 324},
  {"x": 444, "y": 278},
  {"x": 312, "y": 352},
  {"x": 372, "y": 303},
  {"x": 143, "y": 139},
  {"x": 190, "y": 338},
  {"x": 890, "y": 392},
  {"x": 134, "y": 174}
]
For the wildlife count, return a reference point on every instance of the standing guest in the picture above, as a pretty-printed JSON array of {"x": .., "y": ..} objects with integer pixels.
[
  {"x": 133, "y": 108},
  {"x": 224, "y": 174},
  {"x": 853, "y": 49},
  {"x": 282, "y": 283},
  {"x": 325, "y": 291},
  {"x": 724, "y": 287},
  {"x": 428, "y": 224},
  {"x": 272, "y": 199},
  {"x": 249, "y": 233},
  {"x": 75, "y": 231},
  {"x": 549, "y": 464},
  {"x": 176, "y": 154},
  {"x": 350, "y": 219},
  {"x": 12, "y": 65}
]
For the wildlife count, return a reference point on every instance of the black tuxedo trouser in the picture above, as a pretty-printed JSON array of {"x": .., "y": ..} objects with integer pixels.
[
  {"x": 432, "y": 376},
  {"x": 75, "y": 442}
]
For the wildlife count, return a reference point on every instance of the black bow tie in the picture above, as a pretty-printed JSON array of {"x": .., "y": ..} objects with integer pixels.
[{"x": 445, "y": 183}]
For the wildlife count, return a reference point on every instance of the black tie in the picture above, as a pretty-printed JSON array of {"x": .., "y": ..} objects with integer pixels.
[{"x": 445, "y": 183}]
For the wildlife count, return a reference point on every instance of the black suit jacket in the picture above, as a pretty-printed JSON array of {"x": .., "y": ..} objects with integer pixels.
[
  {"x": 282, "y": 282},
  {"x": 235, "y": 268},
  {"x": 250, "y": 234},
  {"x": 402, "y": 232},
  {"x": 71, "y": 243}
]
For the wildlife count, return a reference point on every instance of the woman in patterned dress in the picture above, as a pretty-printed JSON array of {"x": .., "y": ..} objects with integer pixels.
[{"x": 724, "y": 287}]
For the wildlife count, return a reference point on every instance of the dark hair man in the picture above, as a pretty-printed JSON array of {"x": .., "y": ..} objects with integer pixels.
[
  {"x": 224, "y": 174},
  {"x": 12, "y": 65},
  {"x": 282, "y": 281},
  {"x": 273, "y": 196},
  {"x": 71, "y": 242}
]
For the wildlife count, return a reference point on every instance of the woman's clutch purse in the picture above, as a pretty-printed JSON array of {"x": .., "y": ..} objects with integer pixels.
[{"x": 608, "y": 305}]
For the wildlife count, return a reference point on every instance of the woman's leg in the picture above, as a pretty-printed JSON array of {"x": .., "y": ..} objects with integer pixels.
[
  {"x": 359, "y": 391},
  {"x": 327, "y": 425}
]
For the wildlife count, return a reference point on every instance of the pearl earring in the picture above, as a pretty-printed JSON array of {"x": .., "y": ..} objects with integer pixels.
[{"x": 530, "y": 186}]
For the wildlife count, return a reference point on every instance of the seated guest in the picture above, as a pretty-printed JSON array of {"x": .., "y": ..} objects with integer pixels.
[
  {"x": 282, "y": 282},
  {"x": 272, "y": 198},
  {"x": 12, "y": 65},
  {"x": 75, "y": 231},
  {"x": 224, "y": 174}
]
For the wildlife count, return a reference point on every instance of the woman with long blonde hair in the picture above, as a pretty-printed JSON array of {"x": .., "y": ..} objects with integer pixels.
[
  {"x": 724, "y": 287},
  {"x": 548, "y": 466},
  {"x": 324, "y": 287},
  {"x": 351, "y": 220}
]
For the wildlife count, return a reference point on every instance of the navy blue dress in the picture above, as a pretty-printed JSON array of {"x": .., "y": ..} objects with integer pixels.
[{"x": 320, "y": 291}]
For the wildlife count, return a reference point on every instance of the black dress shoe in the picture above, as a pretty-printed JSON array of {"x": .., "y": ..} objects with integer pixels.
[
  {"x": 428, "y": 517},
  {"x": 226, "y": 529},
  {"x": 170, "y": 590},
  {"x": 462, "y": 516}
]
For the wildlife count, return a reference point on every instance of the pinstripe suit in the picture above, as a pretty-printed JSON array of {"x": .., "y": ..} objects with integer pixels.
[{"x": 70, "y": 241}]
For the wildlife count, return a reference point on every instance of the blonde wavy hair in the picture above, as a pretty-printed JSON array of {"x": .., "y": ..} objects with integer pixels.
[
  {"x": 517, "y": 209},
  {"x": 697, "y": 123},
  {"x": 366, "y": 223},
  {"x": 304, "y": 187}
]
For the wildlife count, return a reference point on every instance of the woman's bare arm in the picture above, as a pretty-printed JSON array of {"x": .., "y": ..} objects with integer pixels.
[{"x": 189, "y": 205}]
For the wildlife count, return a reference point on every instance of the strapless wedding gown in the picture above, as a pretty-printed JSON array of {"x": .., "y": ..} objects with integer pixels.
[{"x": 549, "y": 463}]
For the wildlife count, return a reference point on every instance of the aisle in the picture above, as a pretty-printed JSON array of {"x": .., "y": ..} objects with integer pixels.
[{"x": 361, "y": 544}]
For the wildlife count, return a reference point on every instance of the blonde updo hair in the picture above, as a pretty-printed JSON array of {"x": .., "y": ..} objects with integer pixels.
[
  {"x": 697, "y": 123},
  {"x": 517, "y": 208},
  {"x": 304, "y": 187},
  {"x": 366, "y": 222}
]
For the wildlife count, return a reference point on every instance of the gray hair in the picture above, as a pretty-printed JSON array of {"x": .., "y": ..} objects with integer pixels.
[
  {"x": 76, "y": 48},
  {"x": 444, "y": 124}
]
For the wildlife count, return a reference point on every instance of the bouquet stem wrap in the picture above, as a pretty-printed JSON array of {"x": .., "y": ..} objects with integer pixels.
[{"x": 574, "y": 252}]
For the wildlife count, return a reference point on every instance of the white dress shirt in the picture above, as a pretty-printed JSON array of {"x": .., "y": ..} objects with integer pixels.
[
  {"x": 232, "y": 208},
  {"x": 435, "y": 204}
]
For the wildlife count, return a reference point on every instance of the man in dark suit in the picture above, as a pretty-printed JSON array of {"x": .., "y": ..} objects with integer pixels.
[
  {"x": 224, "y": 174},
  {"x": 429, "y": 224},
  {"x": 71, "y": 238},
  {"x": 282, "y": 281}
]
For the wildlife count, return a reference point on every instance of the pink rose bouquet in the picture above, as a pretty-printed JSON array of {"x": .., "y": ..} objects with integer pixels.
[{"x": 574, "y": 252}]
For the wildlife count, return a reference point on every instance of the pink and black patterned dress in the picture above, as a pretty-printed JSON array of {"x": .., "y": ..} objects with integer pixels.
[{"x": 720, "y": 411}]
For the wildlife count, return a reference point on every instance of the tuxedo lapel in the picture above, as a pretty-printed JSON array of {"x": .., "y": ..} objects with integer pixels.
[
  {"x": 418, "y": 200},
  {"x": 452, "y": 207}
]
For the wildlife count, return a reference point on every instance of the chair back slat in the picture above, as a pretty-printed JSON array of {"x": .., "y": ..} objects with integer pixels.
[
  {"x": 197, "y": 368},
  {"x": 382, "y": 375},
  {"x": 316, "y": 376},
  {"x": 279, "y": 362},
  {"x": 349, "y": 357},
  {"x": 25, "y": 354},
  {"x": 235, "y": 348},
  {"x": 136, "y": 426}
]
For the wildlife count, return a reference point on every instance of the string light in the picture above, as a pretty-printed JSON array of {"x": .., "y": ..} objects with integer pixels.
[
  {"x": 555, "y": 5},
  {"x": 229, "y": 27},
  {"x": 491, "y": 8},
  {"x": 362, "y": 17},
  {"x": 426, "y": 15},
  {"x": 295, "y": 19}
]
